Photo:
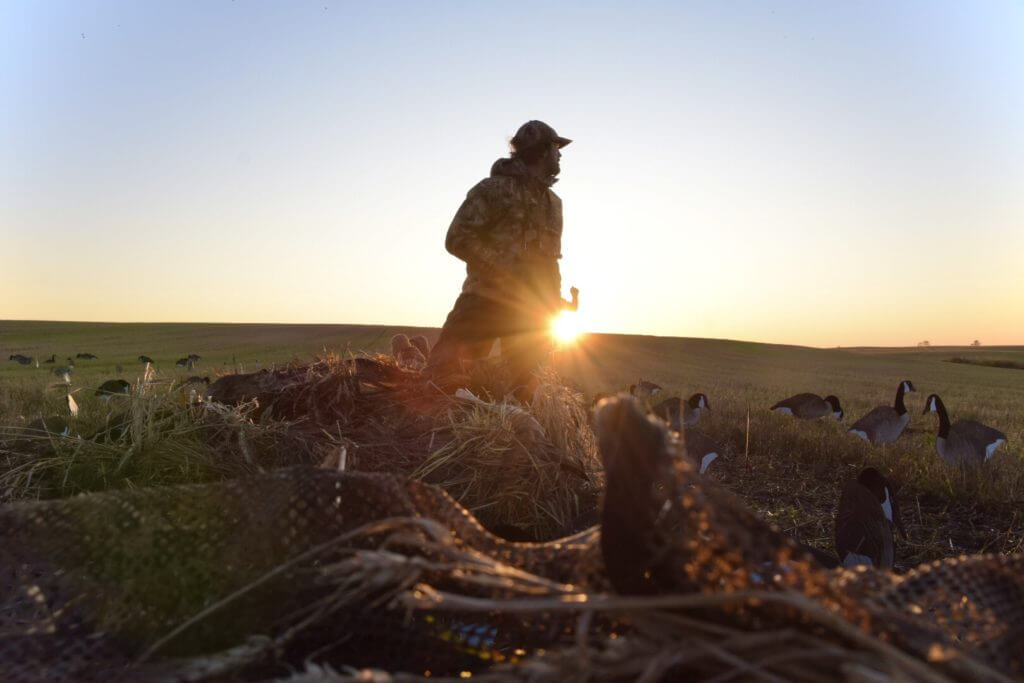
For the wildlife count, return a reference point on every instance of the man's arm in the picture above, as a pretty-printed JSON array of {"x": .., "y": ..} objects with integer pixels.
[{"x": 465, "y": 239}]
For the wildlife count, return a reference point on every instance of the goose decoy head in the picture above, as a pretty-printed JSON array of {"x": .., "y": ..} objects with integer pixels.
[
  {"x": 698, "y": 400},
  {"x": 879, "y": 485},
  {"x": 908, "y": 386},
  {"x": 931, "y": 404},
  {"x": 836, "y": 408}
]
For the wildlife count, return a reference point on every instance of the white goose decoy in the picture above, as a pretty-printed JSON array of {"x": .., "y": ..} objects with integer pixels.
[
  {"x": 809, "y": 407},
  {"x": 965, "y": 441},
  {"x": 884, "y": 424}
]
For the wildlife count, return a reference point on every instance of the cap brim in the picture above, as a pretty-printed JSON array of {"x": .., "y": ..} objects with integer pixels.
[{"x": 562, "y": 142}]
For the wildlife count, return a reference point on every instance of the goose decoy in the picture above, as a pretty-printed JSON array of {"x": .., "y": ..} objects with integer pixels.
[
  {"x": 145, "y": 359},
  {"x": 408, "y": 356},
  {"x": 182, "y": 363},
  {"x": 809, "y": 407},
  {"x": 679, "y": 414},
  {"x": 867, "y": 512},
  {"x": 700, "y": 448},
  {"x": 421, "y": 343},
  {"x": 113, "y": 387},
  {"x": 645, "y": 389},
  {"x": 965, "y": 441},
  {"x": 196, "y": 379},
  {"x": 20, "y": 359},
  {"x": 86, "y": 356},
  {"x": 52, "y": 359},
  {"x": 884, "y": 424},
  {"x": 194, "y": 357},
  {"x": 63, "y": 374}
]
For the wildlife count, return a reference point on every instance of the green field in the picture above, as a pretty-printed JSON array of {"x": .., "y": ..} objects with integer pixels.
[{"x": 791, "y": 472}]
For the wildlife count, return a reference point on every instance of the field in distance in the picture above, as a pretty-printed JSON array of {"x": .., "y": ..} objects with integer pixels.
[{"x": 790, "y": 471}]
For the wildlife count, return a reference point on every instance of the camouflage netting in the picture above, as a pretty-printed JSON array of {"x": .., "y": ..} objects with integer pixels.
[{"x": 315, "y": 574}]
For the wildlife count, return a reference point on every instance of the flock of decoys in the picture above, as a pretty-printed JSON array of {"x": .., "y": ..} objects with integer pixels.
[
  {"x": 106, "y": 391},
  {"x": 868, "y": 509}
]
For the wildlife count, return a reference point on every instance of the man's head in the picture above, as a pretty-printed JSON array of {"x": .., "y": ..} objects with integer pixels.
[{"x": 539, "y": 146}]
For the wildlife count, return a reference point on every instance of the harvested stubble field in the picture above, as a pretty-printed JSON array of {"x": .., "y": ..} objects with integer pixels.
[{"x": 790, "y": 471}]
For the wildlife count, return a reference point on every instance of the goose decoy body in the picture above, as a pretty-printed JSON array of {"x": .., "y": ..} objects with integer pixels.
[
  {"x": 20, "y": 359},
  {"x": 700, "y": 448},
  {"x": 884, "y": 424},
  {"x": 52, "y": 359},
  {"x": 405, "y": 354},
  {"x": 113, "y": 387},
  {"x": 965, "y": 441},
  {"x": 809, "y": 407},
  {"x": 681, "y": 414},
  {"x": 196, "y": 379},
  {"x": 63, "y": 374},
  {"x": 867, "y": 512},
  {"x": 86, "y": 356},
  {"x": 421, "y": 343},
  {"x": 645, "y": 389},
  {"x": 145, "y": 359}
]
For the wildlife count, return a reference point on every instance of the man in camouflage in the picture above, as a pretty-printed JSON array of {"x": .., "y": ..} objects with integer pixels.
[{"x": 509, "y": 232}]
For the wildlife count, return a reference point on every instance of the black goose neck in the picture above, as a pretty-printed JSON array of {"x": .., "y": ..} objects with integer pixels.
[{"x": 898, "y": 405}]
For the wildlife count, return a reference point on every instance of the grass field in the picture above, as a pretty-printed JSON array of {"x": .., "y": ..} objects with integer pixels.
[{"x": 791, "y": 472}]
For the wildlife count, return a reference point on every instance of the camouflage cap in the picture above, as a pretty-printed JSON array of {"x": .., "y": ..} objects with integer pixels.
[{"x": 533, "y": 133}]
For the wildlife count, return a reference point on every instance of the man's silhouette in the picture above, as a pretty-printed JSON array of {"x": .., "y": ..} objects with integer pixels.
[{"x": 509, "y": 233}]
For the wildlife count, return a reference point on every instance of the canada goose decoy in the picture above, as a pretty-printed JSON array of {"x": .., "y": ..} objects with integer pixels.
[
  {"x": 679, "y": 414},
  {"x": 408, "y": 356},
  {"x": 145, "y": 359},
  {"x": 86, "y": 356},
  {"x": 113, "y": 387},
  {"x": 63, "y": 374},
  {"x": 196, "y": 379},
  {"x": 20, "y": 359},
  {"x": 700, "y": 448},
  {"x": 965, "y": 441},
  {"x": 421, "y": 343},
  {"x": 809, "y": 407},
  {"x": 867, "y": 512},
  {"x": 52, "y": 359},
  {"x": 645, "y": 389},
  {"x": 194, "y": 357},
  {"x": 884, "y": 424}
]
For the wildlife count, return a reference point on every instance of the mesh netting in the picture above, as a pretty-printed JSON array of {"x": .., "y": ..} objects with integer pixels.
[{"x": 314, "y": 574}]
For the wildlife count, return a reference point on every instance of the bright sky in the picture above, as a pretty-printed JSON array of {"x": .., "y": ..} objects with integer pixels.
[{"x": 797, "y": 172}]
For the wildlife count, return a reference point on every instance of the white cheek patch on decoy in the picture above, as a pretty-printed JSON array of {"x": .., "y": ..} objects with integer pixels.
[
  {"x": 837, "y": 415},
  {"x": 861, "y": 434},
  {"x": 783, "y": 410},
  {"x": 907, "y": 388},
  {"x": 992, "y": 447},
  {"x": 931, "y": 406},
  {"x": 887, "y": 505},
  {"x": 706, "y": 461},
  {"x": 852, "y": 559}
]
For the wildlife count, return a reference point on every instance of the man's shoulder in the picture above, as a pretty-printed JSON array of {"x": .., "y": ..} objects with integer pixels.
[{"x": 494, "y": 189}]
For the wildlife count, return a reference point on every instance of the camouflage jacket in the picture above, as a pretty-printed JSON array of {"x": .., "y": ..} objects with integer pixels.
[{"x": 509, "y": 233}]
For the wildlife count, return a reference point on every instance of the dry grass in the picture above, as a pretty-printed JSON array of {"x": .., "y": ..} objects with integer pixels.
[{"x": 531, "y": 474}]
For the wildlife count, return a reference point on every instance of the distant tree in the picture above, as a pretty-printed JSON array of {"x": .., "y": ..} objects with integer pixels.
[
  {"x": 975, "y": 343},
  {"x": 924, "y": 343}
]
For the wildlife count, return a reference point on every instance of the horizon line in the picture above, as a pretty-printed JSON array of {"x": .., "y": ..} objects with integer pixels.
[{"x": 431, "y": 327}]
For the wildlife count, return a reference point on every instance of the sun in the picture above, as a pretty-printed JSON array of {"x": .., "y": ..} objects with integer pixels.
[{"x": 565, "y": 327}]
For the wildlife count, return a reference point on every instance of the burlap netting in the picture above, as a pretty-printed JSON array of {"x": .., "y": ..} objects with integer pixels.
[{"x": 257, "y": 578}]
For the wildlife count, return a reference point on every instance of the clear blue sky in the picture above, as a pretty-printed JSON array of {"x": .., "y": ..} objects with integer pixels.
[{"x": 802, "y": 172}]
